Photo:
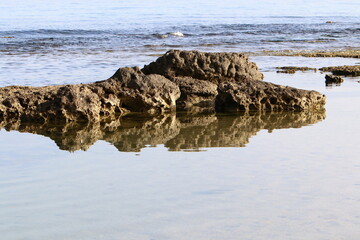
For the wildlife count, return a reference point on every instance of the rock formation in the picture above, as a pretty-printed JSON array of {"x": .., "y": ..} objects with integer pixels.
[
  {"x": 186, "y": 80},
  {"x": 353, "y": 71},
  {"x": 263, "y": 96},
  {"x": 128, "y": 90},
  {"x": 212, "y": 67},
  {"x": 292, "y": 69}
]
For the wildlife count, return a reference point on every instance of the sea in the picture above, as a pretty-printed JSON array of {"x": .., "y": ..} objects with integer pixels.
[{"x": 276, "y": 176}]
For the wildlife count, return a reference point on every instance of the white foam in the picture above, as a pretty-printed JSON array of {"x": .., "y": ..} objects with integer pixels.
[{"x": 177, "y": 34}]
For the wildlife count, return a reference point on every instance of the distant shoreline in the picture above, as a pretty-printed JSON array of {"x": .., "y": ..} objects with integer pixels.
[{"x": 351, "y": 53}]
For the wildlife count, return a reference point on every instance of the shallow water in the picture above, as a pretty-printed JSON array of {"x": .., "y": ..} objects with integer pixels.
[
  {"x": 224, "y": 176},
  {"x": 280, "y": 176}
]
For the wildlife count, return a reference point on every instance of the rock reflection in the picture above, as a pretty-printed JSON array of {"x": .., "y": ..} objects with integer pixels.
[{"x": 176, "y": 132}]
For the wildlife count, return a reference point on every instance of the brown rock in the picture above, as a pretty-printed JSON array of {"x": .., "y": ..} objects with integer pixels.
[
  {"x": 196, "y": 95},
  {"x": 143, "y": 93},
  {"x": 331, "y": 79},
  {"x": 213, "y": 67},
  {"x": 343, "y": 70},
  {"x": 127, "y": 90},
  {"x": 206, "y": 82},
  {"x": 264, "y": 96},
  {"x": 292, "y": 69}
]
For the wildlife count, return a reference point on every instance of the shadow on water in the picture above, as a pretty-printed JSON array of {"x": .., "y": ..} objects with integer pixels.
[{"x": 179, "y": 132}]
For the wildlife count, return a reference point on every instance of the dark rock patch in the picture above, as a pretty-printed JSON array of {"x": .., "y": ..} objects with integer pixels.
[
  {"x": 331, "y": 79},
  {"x": 353, "y": 71},
  {"x": 292, "y": 70}
]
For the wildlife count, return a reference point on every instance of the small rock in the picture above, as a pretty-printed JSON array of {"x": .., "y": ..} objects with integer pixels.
[
  {"x": 331, "y": 79},
  {"x": 292, "y": 69}
]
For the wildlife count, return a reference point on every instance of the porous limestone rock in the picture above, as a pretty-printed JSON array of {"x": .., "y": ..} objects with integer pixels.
[
  {"x": 264, "y": 96},
  {"x": 128, "y": 90},
  {"x": 214, "y": 67},
  {"x": 142, "y": 93},
  {"x": 186, "y": 80},
  {"x": 196, "y": 95}
]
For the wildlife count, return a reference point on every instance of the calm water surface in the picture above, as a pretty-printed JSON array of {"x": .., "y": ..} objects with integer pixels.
[{"x": 277, "y": 176}]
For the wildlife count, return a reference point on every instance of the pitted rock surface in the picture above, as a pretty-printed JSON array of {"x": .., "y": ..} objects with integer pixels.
[
  {"x": 264, "y": 96},
  {"x": 128, "y": 90},
  {"x": 183, "y": 80},
  {"x": 196, "y": 95},
  {"x": 213, "y": 67}
]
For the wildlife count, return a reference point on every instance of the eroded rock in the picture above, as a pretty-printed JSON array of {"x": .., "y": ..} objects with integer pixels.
[
  {"x": 190, "y": 80},
  {"x": 343, "y": 70},
  {"x": 196, "y": 95},
  {"x": 128, "y": 90},
  {"x": 142, "y": 93},
  {"x": 264, "y": 96},
  {"x": 213, "y": 67}
]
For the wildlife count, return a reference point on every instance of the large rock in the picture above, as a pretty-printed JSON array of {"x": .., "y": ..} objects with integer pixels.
[
  {"x": 264, "y": 96},
  {"x": 213, "y": 67},
  {"x": 127, "y": 90}
]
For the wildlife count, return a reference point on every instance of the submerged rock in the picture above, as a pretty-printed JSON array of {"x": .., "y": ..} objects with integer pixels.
[
  {"x": 212, "y": 67},
  {"x": 183, "y": 80}
]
